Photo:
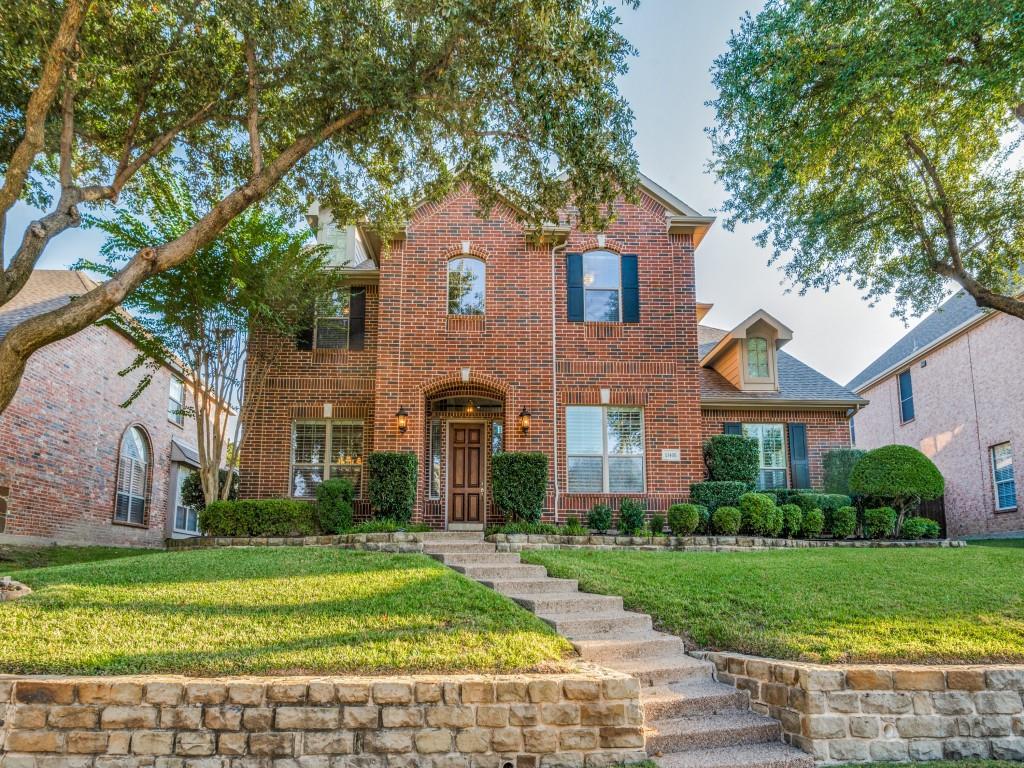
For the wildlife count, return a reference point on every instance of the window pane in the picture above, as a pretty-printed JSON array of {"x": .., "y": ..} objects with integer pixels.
[
  {"x": 305, "y": 480},
  {"x": 435, "y": 459},
  {"x": 121, "y": 509},
  {"x": 585, "y": 474},
  {"x": 583, "y": 430},
  {"x": 351, "y": 472},
  {"x": 346, "y": 443},
  {"x": 602, "y": 306},
  {"x": 1002, "y": 472},
  {"x": 757, "y": 357},
  {"x": 466, "y": 287},
  {"x": 331, "y": 333},
  {"x": 137, "y": 510},
  {"x": 625, "y": 474},
  {"x": 906, "y": 391},
  {"x": 497, "y": 437},
  {"x": 1007, "y": 495},
  {"x": 625, "y": 432},
  {"x": 773, "y": 452},
  {"x": 769, "y": 479},
  {"x": 309, "y": 443},
  {"x": 601, "y": 270}
]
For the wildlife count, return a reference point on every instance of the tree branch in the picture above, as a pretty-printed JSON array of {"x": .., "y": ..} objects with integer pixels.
[
  {"x": 67, "y": 133},
  {"x": 253, "y": 117}
]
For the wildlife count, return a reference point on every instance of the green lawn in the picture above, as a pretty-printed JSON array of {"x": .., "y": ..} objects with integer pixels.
[
  {"x": 828, "y": 605},
  {"x": 17, "y": 558},
  {"x": 275, "y": 610}
]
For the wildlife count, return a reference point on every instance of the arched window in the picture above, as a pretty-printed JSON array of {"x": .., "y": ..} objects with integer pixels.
[
  {"x": 466, "y": 286},
  {"x": 757, "y": 358},
  {"x": 132, "y": 477}
]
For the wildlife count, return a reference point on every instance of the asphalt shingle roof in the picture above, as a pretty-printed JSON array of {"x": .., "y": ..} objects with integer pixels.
[
  {"x": 953, "y": 313},
  {"x": 45, "y": 290}
]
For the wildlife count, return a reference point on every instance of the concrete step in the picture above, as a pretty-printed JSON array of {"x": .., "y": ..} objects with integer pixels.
[
  {"x": 530, "y": 586},
  {"x": 569, "y": 602},
  {"x": 774, "y": 755},
  {"x": 443, "y": 536},
  {"x": 449, "y": 547},
  {"x": 481, "y": 572},
  {"x": 619, "y": 647},
  {"x": 710, "y": 731},
  {"x": 663, "y": 670},
  {"x": 698, "y": 697},
  {"x": 479, "y": 558},
  {"x": 572, "y": 625}
]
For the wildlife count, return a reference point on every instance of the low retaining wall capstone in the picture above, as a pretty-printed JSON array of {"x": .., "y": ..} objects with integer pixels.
[
  {"x": 844, "y": 713},
  {"x": 517, "y": 542},
  {"x": 586, "y": 719},
  {"x": 369, "y": 542}
]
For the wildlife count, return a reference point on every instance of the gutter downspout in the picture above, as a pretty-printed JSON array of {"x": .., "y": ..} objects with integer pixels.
[{"x": 556, "y": 250}]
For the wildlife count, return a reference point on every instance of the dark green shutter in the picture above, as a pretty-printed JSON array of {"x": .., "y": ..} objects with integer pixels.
[
  {"x": 574, "y": 281},
  {"x": 630, "y": 289},
  {"x": 356, "y": 318},
  {"x": 798, "y": 463},
  {"x": 732, "y": 428}
]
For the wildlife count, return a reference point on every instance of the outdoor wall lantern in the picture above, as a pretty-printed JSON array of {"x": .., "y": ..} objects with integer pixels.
[
  {"x": 402, "y": 419},
  {"x": 524, "y": 420}
]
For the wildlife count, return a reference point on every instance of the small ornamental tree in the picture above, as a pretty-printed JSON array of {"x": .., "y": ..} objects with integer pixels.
[
  {"x": 732, "y": 458},
  {"x": 837, "y": 465},
  {"x": 519, "y": 482},
  {"x": 898, "y": 474}
]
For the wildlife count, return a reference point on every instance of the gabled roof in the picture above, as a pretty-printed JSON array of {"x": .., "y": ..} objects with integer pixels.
[
  {"x": 783, "y": 334},
  {"x": 46, "y": 290},
  {"x": 955, "y": 314}
]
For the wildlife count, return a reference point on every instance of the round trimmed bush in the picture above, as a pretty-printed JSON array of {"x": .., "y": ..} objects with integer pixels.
[
  {"x": 334, "y": 504},
  {"x": 657, "y": 524},
  {"x": 879, "y": 522},
  {"x": 919, "y": 528},
  {"x": 599, "y": 518},
  {"x": 704, "y": 526},
  {"x": 842, "y": 523},
  {"x": 725, "y": 521},
  {"x": 683, "y": 519},
  {"x": 631, "y": 516},
  {"x": 760, "y": 516},
  {"x": 813, "y": 523},
  {"x": 897, "y": 474},
  {"x": 714, "y": 493},
  {"x": 792, "y": 520}
]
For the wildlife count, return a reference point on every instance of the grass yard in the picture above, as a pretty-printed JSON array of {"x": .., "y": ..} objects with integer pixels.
[
  {"x": 828, "y": 605},
  {"x": 18, "y": 558},
  {"x": 267, "y": 611}
]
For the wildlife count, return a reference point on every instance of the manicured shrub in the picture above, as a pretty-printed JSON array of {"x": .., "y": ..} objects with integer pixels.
[
  {"x": 714, "y": 493},
  {"x": 334, "y": 504},
  {"x": 599, "y": 518},
  {"x": 631, "y": 516},
  {"x": 830, "y": 502},
  {"x": 919, "y": 528},
  {"x": 683, "y": 519},
  {"x": 806, "y": 500},
  {"x": 787, "y": 495},
  {"x": 388, "y": 526},
  {"x": 538, "y": 529},
  {"x": 732, "y": 458},
  {"x": 897, "y": 474},
  {"x": 792, "y": 520},
  {"x": 725, "y": 521},
  {"x": 813, "y": 523},
  {"x": 573, "y": 527},
  {"x": 392, "y": 485},
  {"x": 704, "y": 526},
  {"x": 879, "y": 522},
  {"x": 258, "y": 517},
  {"x": 837, "y": 465},
  {"x": 192, "y": 489},
  {"x": 759, "y": 514},
  {"x": 842, "y": 523},
  {"x": 519, "y": 483},
  {"x": 657, "y": 524}
]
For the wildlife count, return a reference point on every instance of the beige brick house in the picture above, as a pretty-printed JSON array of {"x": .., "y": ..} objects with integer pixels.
[{"x": 952, "y": 388}]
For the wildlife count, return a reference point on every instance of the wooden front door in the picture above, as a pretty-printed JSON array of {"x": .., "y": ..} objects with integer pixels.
[{"x": 465, "y": 473}]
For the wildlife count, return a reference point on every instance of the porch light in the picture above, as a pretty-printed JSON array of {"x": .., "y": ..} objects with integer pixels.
[
  {"x": 402, "y": 419},
  {"x": 524, "y": 420},
  {"x": 470, "y": 407}
]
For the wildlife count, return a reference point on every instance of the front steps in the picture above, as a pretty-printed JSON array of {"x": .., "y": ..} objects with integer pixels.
[{"x": 692, "y": 721}]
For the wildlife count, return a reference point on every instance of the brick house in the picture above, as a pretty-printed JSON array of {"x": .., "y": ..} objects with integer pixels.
[
  {"x": 470, "y": 335},
  {"x": 75, "y": 467},
  {"x": 951, "y": 387}
]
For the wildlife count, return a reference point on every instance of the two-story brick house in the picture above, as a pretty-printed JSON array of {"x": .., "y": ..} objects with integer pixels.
[{"x": 470, "y": 335}]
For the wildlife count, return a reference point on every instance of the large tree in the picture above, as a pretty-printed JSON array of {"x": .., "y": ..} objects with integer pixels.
[
  {"x": 878, "y": 141},
  {"x": 362, "y": 103}
]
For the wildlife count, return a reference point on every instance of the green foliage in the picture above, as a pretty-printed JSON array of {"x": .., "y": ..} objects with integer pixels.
[
  {"x": 829, "y": 502},
  {"x": 657, "y": 524},
  {"x": 760, "y": 516},
  {"x": 897, "y": 472},
  {"x": 573, "y": 527},
  {"x": 879, "y": 522},
  {"x": 790, "y": 496},
  {"x": 704, "y": 526},
  {"x": 537, "y": 529},
  {"x": 334, "y": 504},
  {"x": 388, "y": 526},
  {"x": 725, "y": 521},
  {"x": 732, "y": 458},
  {"x": 392, "y": 484},
  {"x": 842, "y": 523},
  {"x": 519, "y": 483},
  {"x": 192, "y": 489},
  {"x": 792, "y": 520},
  {"x": 837, "y": 465},
  {"x": 877, "y": 143},
  {"x": 714, "y": 494},
  {"x": 259, "y": 517},
  {"x": 599, "y": 518},
  {"x": 631, "y": 516},
  {"x": 919, "y": 528},
  {"x": 683, "y": 519},
  {"x": 813, "y": 523}
]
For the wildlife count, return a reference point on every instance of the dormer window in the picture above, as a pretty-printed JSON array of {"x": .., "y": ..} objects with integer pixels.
[
  {"x": 757, "y": 358},
  {"x": 466, "y": 286}
]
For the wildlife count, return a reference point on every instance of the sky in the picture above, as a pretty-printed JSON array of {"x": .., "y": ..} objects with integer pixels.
[{"x": 667, "y": 85}]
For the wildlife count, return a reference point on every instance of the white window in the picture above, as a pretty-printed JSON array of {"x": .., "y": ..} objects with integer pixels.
[
  {"x": 185, "y": 518},
  {"x": 132, "y": 478},
  {"x": 322, "y": 449},
  {"x": 176, "y": 402},
  {"x": 757, "y": 358},
  {"x": 602, "y": 287},
  {"x": 467, "y": 280},
  {"x": 771, "y": 448},
  {"x": 332, "y": 321},
  {"x": 605, "y": 449},
  {"x": 435, "y": 459},
  {"x": 1002, "y": 477}
]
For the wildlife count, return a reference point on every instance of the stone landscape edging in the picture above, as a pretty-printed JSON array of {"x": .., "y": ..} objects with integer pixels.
[
  {"x": 517, "y": 542},
  {"x": 588, "y": 718},
  {"x": 885, "y": 712},
  {"x": 370, "y": 542}
]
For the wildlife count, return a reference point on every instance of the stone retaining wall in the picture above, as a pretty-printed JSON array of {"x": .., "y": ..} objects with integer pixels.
[
  {"x": 370, "y": 542},
  {"x": 517, "y": 542},
  {"x": 886, "y": 712},
  {"x": 587, "y": 719}
]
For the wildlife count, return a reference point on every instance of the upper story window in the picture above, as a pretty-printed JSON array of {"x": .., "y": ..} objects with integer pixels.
[
  {"x": 132, "y": 478},
  {"x": 467, "y": 279},
  {"x": 1002, "y": 477},
  {"x": 332, "y": 320},
  {"x": 906, "y": 392},
  {"x": 757, "y": 358},
  {"x": 602, "y": 287},
  {"x": 176, "y": 401}
]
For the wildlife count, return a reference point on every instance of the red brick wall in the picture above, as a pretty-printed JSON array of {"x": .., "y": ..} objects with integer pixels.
[{"x": 60, "y": 438}]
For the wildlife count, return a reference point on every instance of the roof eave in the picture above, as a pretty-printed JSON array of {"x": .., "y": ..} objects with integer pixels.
[
  {"x": 694, "y": 226},
  {"x": 763, "y": 404}
]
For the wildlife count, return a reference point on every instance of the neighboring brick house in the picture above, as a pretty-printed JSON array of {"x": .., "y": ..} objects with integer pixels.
[
  {"x": 952, "y": 388},
  {"x": 468, "y": 336},
  {"x": 75, "y": 467}
]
